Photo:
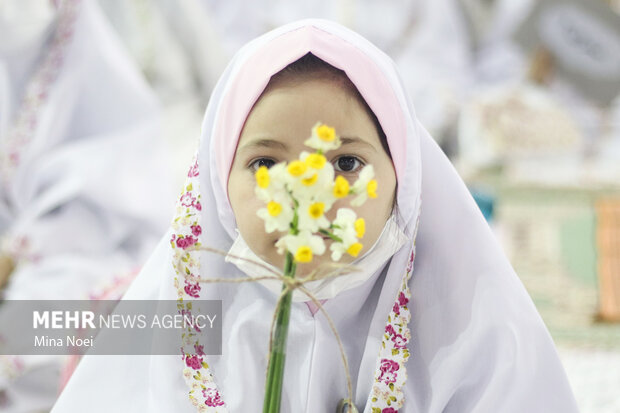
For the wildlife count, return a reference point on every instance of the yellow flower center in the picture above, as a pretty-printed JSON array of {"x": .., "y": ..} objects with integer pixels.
[
  {"x": 262, "y": 177},
  {"x": 297, "y": 168},
  {"x": 303, "y": 254},
  {"x": 360, "y": 227},
  {"x": 354, "y": 249},
  {"x": 316, "y": 210},
  {"x": 274, "y": 208},
  {"x": 341, "y": 187},
  {"x": 325, "y": 133},
  {"x": 371, "y": 188},
  {"x": 310, "y": 181},
  {"x": 316, "y": 160}
]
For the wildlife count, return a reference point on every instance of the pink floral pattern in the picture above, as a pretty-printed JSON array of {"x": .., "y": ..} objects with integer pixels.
[
  {"x": 19, "y": 248},
  {"x": 203, "y": 391},
  {"x": 193, "y": 170},
  {"x": 390, "y": 376},
  {"x": 37, "y": 91},
  {"x": 196, "y": 230},
  {"x": 192, "y": 289},
  {"x": 194, "y": 362},
  {"x": 388, "y": 371},
  {"x": 212, "y": 398}
]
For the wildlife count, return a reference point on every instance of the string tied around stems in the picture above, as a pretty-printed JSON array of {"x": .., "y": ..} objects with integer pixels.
[{"x": 324, "y": 271}]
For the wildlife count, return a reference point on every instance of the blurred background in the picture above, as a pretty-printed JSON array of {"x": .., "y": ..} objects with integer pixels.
[{"x": 522, "y": 95}]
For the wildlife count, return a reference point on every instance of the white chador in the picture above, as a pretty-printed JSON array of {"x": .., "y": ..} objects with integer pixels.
[
  {"x": 84, "y": 193},
  {"x": 456, "y": 332}
]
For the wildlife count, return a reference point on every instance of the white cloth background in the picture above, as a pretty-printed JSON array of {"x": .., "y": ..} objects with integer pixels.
[{"x": 92, "y": 193}]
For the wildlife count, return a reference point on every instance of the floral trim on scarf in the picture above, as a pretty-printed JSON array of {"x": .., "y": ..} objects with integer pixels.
[
  {"x": 115, "y": 288},
  {"x": 19, "y": 248},
  {"x": 37, "y": 92},
  {"x": 390, "y": 375},
  {"x": 186, "y": 228}
]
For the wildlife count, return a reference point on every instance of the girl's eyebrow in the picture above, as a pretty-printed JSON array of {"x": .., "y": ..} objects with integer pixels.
[
  {"x": 275, "y": 144},
  {"x": 347, "y": 140},
  {"x": 264, "y": 143}
]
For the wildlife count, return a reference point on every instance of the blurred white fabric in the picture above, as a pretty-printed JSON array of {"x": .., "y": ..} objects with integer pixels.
[{"x": 86, "y": 190}]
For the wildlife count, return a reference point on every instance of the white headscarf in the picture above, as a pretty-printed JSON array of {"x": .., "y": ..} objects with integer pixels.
[
  {"x": 79, "y": 152},
  {"x": 475, "y": 341}
]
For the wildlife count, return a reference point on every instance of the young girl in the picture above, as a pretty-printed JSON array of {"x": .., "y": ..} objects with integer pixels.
[{"x": 458, "y": 334}]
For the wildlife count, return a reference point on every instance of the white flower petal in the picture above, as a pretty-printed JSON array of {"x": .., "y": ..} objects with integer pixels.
[
  {"x": 337, "y": 250},
  {"x": 317, "y": 245},
  {"x": 359, "y": 199}
]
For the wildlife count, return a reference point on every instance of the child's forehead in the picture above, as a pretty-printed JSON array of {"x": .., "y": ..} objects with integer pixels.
[
  {"x": 286, "y": 114},
  {"x": 300, "y": 106}
]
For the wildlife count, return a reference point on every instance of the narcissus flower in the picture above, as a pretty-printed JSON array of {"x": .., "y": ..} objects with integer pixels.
[
  {"x": 316, "y": 182},
  {"x": 278, "y": 213},
  {"x": 313, "y": 160},
  {"x": 296, "y": 168},
  {"x": 262, "y": 177},
  {"x": 360, "y": 227},
  {"x": 304, "y": 246},
  {"x": 311, "y": 216},
  {"x": 271, "y": 182},
  {"x": 323, "y": 138},
  {"x": 347, "y": 228},
  {"x": 365, "y": 187},
  {"x": 341, "y": 187}
]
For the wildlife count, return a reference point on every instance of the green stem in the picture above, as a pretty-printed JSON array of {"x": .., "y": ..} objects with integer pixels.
[
  {"x": 331, "y": 235},
  {"x": 293, "y": 226},
  {"x": 275, "y": 370}
]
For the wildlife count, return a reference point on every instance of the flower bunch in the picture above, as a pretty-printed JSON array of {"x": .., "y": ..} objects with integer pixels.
[
  {"x": 297, "y": 197},
  {"x": 299, "y": 194}
]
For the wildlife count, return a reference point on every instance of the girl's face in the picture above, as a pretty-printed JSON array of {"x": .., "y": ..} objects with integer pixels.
[{"x": 275, "y": 131}]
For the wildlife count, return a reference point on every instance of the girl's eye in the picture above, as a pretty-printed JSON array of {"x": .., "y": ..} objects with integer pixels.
[
  {"x": 347, "y": 164},
  {"x": 254, "y": 165}
]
